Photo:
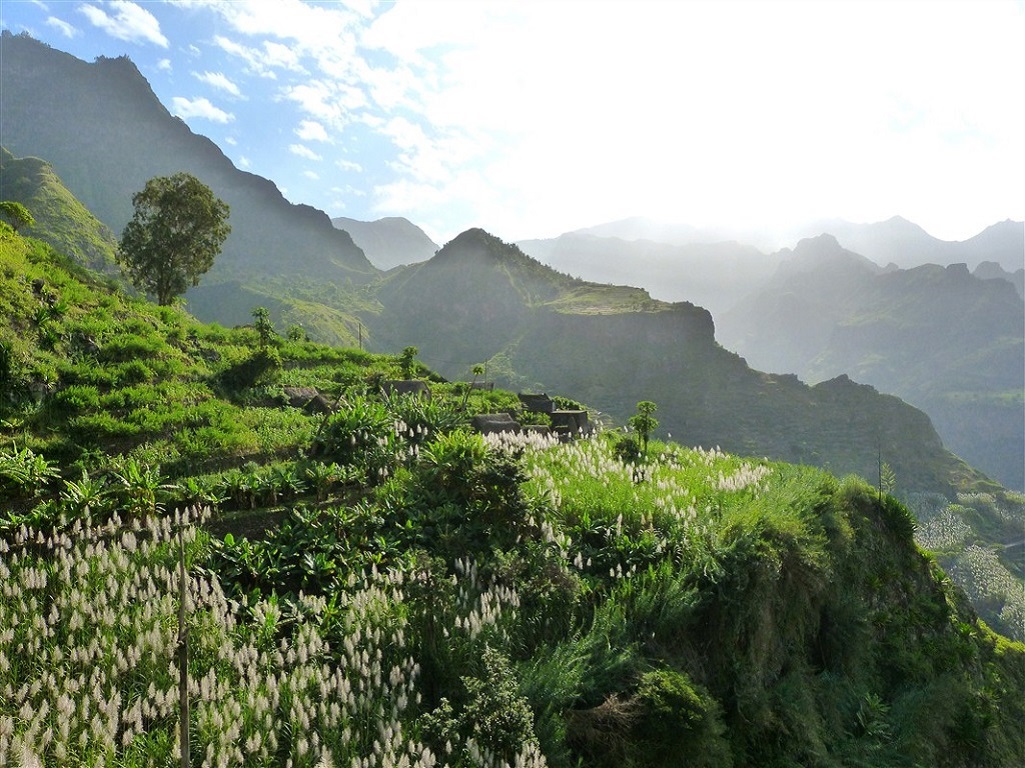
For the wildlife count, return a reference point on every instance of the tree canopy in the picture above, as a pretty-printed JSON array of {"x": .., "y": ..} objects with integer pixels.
[
  {"x": 644, "y": 422},
  {"x": 177, "y": 230}
]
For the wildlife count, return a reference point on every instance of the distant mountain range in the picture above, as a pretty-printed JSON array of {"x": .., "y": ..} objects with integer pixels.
[
  {"x": 476, "y": 300},
  {"x": 389, "y": 242},
  {"x": 900, "y": 242},
  {"x": 896, "y": 240},
  {"x": 938, "y": 337},
  {"x": 718, "y": 267}
]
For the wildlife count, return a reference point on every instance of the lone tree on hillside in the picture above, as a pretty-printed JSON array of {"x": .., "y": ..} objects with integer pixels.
[
  {"x": 407, "y": 360},
  {"x": 172, "y": 239},
  {"x": 16, "y": 214},
  {"x": 643, "y": 421}
]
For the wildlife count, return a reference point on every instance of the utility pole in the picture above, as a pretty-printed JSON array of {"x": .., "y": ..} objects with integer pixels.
[{"x": 183, "y": 653}]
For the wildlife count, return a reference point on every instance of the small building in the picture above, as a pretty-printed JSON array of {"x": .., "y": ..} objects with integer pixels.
[
  {"x": 570, "y": 423},
  {"x": 412, "y": 387},
  {"x": 537, "y": 403},
  {"x": 490, "y": 423}
]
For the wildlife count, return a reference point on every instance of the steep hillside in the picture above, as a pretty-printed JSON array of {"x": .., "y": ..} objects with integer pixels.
[
  {"x": 105, "y": 134},
  {"x": 371, "y": 583},
  {"x": 941, "y": 339},
  {"x": 615, "y": 347},
  {"x": 61, "y": 219},
  {"x": 390, "y": 241}
]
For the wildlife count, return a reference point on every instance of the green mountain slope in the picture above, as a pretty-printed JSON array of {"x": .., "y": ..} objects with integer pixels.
[
  {"x": 379, "y": 584},
  {"x": 61, "y": 220},
  {"x": 947, "y": 342},
  {"x": 105, "y": 134}
]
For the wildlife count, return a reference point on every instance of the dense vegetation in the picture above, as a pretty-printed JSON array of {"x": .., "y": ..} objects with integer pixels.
[{"x": 370, "y": 583}]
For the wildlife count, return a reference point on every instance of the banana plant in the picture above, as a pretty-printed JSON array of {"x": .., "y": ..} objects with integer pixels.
[
  {"x": 143, "y": 486},
  {"x": 85, "y": 496},
  {"x": 25, "y": 473}
]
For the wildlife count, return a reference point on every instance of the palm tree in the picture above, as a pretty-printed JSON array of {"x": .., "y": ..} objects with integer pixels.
[{"x": 477, "y": 370}]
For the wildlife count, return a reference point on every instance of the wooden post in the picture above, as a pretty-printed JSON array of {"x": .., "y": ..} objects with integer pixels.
[{"x": 183, "y": 654}]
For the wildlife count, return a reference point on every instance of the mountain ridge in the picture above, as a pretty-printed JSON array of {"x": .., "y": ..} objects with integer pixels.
[
  {"x": 636, "y": 348},
  {"x": 105, "y": 133},
  {"x": 939, "y": 337},
  {"x": 60, "y": 219}
]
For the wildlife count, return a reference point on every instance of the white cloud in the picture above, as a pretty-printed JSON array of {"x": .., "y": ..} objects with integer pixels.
[
  {"x": 244, "y": 162},
  {"x": 703, "y": 111},
  {"x": 349, "y": 165},
  {"x": 524, "y": 115},
  {"x": 264, "y": 60},
  {"x": 310, "y": 130},
  {"x": 325, "y": 33},
  {"x": 66, "y": 29},
  {"x": 164, "y": 65},
  {"x": 218, "y": 80},
  {"x": 201, "y": 107},
  {"x": 328, "y": 101},
  {"x": 303, "y": 151},
  {"x": 311, "y": 175},
  {"x": 129, "y": 21}
]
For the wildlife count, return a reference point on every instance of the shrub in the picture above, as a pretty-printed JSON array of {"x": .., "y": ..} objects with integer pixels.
[
  {"x": 677, "y": 717},
  {"x": 360, "y": 435},
  {"x": 77, "y": 397},
  {"x": 495, "y": 717},
  {"x": 260, "y": 367}
]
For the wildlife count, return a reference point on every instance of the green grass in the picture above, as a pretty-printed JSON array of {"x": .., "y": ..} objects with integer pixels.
[{"x": 384, "y": 585}]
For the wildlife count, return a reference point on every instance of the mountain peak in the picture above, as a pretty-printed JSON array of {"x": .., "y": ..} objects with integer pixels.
[
  {"x": 390, "y": 241},
  {"x": 825, "y": 251},
  {"x": 476, "y": 245}
]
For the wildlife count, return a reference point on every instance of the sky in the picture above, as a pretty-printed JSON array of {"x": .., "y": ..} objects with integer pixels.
[{"x": 531, "y": 118}]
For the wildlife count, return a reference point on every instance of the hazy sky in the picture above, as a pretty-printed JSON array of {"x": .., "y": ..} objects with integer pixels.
[{"x": 534, "y": 118}]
